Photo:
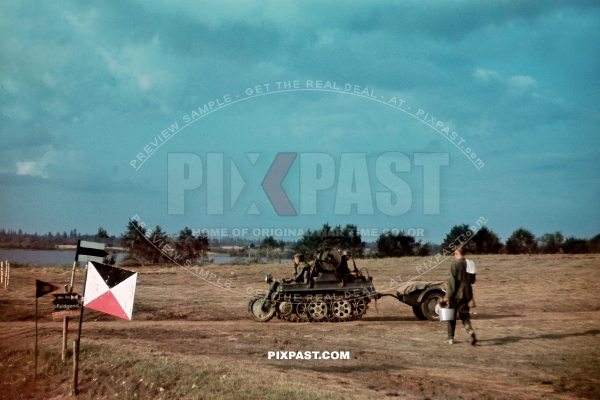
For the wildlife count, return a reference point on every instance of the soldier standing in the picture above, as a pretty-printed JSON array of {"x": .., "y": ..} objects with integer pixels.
[{"x": 459, "y": 294}]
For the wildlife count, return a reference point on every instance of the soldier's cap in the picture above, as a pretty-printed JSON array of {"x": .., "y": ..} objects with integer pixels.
[
  {"x": 299, "y": 255},
  {"x": 345, "y": 253}
]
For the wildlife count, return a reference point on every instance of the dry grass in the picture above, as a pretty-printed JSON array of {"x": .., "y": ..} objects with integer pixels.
[{"x": 537, "y": 320}]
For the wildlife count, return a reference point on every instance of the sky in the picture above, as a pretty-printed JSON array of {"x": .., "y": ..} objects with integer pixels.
[{"x": 244, "y": 117}]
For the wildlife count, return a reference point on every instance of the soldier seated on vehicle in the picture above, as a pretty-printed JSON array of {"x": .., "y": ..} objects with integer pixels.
[
  {"x": 344, "y": 269},
  {"x": 304, "y": 274}
]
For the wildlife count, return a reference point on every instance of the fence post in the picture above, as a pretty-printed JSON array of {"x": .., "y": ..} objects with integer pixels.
[
  {"x": 74, "y": 389},
  {"x": 65, "y": 333}
]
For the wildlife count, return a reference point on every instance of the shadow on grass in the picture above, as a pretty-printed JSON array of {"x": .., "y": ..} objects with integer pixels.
[
  {"x": 397, "y": 318},
  {"x": 494, "y": 316},
  {"x": 552, "y": 336},
  {"x": 337, "y": 369}
]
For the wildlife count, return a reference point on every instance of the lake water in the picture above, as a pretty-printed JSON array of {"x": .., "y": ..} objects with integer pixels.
[{"x": 64, "y": 257}]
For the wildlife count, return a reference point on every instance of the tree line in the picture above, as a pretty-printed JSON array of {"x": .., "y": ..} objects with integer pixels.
[
  {"x": 145, "y": 246},
  {"x": 10, "y": 239}
]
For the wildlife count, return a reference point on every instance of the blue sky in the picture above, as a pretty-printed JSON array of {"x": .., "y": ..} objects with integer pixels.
[{"x": 86, "y": 86}]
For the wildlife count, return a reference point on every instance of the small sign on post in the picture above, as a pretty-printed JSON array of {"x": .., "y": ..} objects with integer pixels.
[{"x": 66, "y": 301}]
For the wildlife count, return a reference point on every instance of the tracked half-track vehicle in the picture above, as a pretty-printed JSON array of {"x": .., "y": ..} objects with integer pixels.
[{"x": 329, "y": 293}]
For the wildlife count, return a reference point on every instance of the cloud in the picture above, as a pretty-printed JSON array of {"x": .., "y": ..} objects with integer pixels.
[
  {"x": 522, "y": 82},
  {"x": 485, "y": 75},
  {"x": 28, "y": 168},
  {"x": 40, "y": 166}
]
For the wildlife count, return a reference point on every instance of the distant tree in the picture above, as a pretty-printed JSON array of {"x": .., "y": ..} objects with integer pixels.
[
  {"x": 521, "y": 241},
  {"x": 158, "y": 238},
  {"x": 268, "y": 243},
  {"x": 594, "y": 244},
  {"x": 573, "y": 245},
  {"x": 348, "y": 238},
  {"x": 551, "y": 243},
  {"x": 352, "y": 241},
  {"x": 458, "y": 234},
  {"x": 424, "y": 250},
  {"x": 484, "y": 241},
  {"x": 101, "y": 234},
  {"x": 135, "y": 241},
  {"x": 192, "y": 247},
  {"x": 399, "y": 245},
  {"x": 281, "y": 246}
]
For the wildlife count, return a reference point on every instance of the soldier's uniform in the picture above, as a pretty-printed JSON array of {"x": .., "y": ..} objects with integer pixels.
[
  {"x": 460, "y": 293},
  {"x": 303, "y": 275}
]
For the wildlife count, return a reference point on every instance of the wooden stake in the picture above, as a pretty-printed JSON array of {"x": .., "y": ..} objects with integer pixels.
[
  {"x": 36, "y": 338},
  {"x": 7, "y": 273},
  {"x": 2, "y": 273},
  {"x": 76, "y": 344},
  {"x": 74, "y": 390},
  {"x": 65, "y": 330},
  {"x": 72, "y": 276}
]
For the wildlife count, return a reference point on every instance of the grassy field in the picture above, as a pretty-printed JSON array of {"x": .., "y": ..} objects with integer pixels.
[{"x": 537, "y": 318}]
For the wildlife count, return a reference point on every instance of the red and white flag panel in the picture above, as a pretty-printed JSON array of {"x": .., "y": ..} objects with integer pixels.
[{"x": 110, "y": 290}]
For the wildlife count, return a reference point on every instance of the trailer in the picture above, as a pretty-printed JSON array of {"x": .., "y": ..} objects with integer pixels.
[{"x": 423, "y": 297}]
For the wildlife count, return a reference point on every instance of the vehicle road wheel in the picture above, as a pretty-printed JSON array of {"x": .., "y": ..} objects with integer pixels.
[
  {"x": 285, "y": 308},
  {"x": 317, "y": 310},
  {"x": 428, "y": 305},
  {"x": 261, "y": 309},
  {"x": 418, "y": 313},
  {"x": 342, "y": 309}
]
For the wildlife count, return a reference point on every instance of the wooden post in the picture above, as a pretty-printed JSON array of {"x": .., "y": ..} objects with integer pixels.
[
  {"x": 77, "y": 342},
  {"x": 2, "y": 272},
  {"x": 74, "y": 390},
  {"x": 65, "y": 330},
  {"x": 72, "y": 276},
  {"x": 36, "y": 338},
  {"x": 7, "y": 273}
]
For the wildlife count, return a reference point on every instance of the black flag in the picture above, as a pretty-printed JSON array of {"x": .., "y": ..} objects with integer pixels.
[{"x": 43, "y": 288}]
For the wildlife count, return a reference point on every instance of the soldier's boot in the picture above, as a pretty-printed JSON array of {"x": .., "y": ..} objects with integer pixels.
[{"x": 470, "y": 331}]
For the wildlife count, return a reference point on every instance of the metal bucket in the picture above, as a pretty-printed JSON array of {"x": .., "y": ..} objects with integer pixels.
[{"x": 446, "y": 314}]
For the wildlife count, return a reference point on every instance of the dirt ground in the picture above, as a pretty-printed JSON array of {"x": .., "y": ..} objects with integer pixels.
[{"x": 537, "y": 320}]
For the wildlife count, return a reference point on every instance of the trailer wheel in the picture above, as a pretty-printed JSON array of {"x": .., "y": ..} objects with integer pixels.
[
  {"x": 428, "y": 305},
  {"x": 419, "y": 313}
]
